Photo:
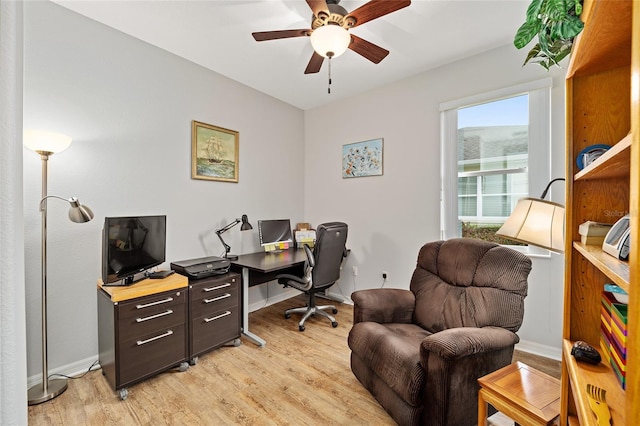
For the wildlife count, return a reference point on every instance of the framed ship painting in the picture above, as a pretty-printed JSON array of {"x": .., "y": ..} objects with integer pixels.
[
  {"x": 214, "y": 152},
  {"x": 362, "y": 159}
]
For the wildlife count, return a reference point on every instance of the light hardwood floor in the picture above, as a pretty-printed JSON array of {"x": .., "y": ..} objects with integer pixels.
[{"x": 297, "y": 378}]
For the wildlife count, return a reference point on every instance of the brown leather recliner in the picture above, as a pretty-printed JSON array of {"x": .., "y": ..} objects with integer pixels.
[{"x": 420, "y": 351}]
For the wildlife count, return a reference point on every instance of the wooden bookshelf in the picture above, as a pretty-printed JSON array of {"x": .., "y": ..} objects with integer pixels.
[{"x": 602, "y": 107}]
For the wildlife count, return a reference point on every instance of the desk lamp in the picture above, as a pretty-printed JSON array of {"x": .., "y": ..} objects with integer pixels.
[
  {"x": 244, "y": 227},
  {"x": 46, "y": 144},
  {"x": 537, "y": 221}
]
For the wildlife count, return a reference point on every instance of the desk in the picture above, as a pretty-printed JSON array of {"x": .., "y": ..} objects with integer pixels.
[{"x": 262, "y": 267}]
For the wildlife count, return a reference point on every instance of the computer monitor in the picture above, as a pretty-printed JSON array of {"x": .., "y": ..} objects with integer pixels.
[{"x": 274, "y": 231}]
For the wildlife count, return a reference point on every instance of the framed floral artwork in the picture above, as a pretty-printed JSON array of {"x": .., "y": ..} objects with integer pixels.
[
  {"x": 214, "y": 152},
  {"x": 362, "y": 159}
]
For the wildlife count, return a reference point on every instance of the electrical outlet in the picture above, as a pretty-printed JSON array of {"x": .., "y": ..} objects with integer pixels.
[
  {"x": 354, "y": 271},
  {"x": 384, "y": 275}
]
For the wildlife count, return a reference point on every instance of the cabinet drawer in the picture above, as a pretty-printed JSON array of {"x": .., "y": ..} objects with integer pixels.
[
  {"x": 149, "y": 321},
  {"x": 214, "y": 330},
  {"x": 151, "y": 353},
  {"x": 215, "y": 295},
  {"x": 212, "y": 287},
  {"x": 152, "y": 305}
]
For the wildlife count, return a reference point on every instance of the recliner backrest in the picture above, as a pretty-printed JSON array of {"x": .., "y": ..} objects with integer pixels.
[
  {"x": 465, "y": 282},
  {"x": 328, "y": 251}
]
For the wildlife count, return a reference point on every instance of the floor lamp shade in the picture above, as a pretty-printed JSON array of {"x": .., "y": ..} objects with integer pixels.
[
  {"x": 538, "y": 222},
  {"x": 46, "y": 142}
]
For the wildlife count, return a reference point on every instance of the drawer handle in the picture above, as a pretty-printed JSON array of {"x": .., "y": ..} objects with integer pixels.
[
  {"x": 217, "y": 317},
  {"x": 144, "y": 342},
  {"x": 215, "y": 299},
  {"x": 161, "y": 314},
  {"x": 159, "y": 302},
  {"x": 218, "y": 287}
]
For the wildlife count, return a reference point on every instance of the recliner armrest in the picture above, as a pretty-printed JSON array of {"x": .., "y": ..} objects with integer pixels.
[
  {"x": 383, "y": 305},
  {"x": 463, "y": 341}
]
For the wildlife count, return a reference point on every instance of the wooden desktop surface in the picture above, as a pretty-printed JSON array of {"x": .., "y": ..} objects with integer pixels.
[
  {"x": 266, "y": 262},
  {"x": 144, "y": 287}
]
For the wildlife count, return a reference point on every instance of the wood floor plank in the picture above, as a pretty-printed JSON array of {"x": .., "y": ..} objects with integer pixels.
[{"x": 296, "y": 379}]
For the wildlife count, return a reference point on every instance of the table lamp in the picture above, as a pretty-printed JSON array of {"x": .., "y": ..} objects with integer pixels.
[{"x": 244, "y": 227}]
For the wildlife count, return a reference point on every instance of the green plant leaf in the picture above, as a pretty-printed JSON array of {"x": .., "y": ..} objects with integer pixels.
[
  {"x": 526, "y": 33},
  {"x": 570, "y": 27},
  {"x": 533, "y": 11},
  {"x": 556, "y": 23}
]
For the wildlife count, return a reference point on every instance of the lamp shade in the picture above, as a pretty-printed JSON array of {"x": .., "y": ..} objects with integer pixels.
[
  {"x": 330, "y": 40},
  {"x": 245, "y": 223},
  {"x": 79, "y": 213},
  {"x": 538, "y": 222},
  {"x": 41, "y": 141}
]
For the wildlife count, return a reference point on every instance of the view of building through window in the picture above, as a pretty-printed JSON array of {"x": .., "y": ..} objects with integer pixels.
[{"x": 493, "y": 164}]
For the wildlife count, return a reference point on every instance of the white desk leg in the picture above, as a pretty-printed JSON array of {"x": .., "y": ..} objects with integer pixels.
[{"x": 245, "y": 310}]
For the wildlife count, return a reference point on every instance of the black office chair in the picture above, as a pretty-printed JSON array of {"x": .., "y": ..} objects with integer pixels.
[{"x": 322, "y": 270}]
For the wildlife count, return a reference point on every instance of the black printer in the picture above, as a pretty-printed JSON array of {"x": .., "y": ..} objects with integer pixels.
[{"x": 202, "y": 267}]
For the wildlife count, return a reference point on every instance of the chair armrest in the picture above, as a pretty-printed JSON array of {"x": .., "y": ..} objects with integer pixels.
[
  {"x": 300, "y": 283},
  {"x": 459, "y": 342},
  {"x": 383, "y": 305}
]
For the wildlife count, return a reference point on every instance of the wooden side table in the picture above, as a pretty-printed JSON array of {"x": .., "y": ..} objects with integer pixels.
[{"x": 523, "y": 393}]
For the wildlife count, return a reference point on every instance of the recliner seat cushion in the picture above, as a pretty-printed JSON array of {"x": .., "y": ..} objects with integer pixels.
[{"x": 392, "y": 352}]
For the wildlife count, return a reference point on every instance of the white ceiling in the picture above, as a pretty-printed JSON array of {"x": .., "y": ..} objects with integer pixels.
[{"x": 217, "y": 35}]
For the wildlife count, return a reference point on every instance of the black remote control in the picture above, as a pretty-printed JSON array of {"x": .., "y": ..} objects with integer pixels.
[{"x": 582, "y": 351}]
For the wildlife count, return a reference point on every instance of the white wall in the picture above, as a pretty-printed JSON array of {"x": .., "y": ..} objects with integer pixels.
[
  {"x": 13, "y": 365},
  {"x": 391, "y": 216},
  {"x": 128, "y": 107}
]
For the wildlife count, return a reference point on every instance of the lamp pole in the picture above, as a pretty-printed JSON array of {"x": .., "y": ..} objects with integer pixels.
[{"x": 48, "y": 390}]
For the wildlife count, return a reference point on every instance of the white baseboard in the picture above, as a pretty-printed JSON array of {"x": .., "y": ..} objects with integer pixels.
[
  {"x": 273, "y": 300},
  {"x": 74, "y": 369},
  {"x": 538, "y": 349}
]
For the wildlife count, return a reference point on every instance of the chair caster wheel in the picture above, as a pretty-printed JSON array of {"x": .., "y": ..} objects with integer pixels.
[
  {"x": 334, "y": 324},
  {"x": 301, "y": 327},
  {"x": 287, "y": 316},
  {"x": 335, "y": 311}
]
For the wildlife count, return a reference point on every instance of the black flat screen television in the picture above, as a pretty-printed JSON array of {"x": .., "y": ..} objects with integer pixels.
[
  {"x": 130, "y": 246},
  {"x": 274, "y": 231}
]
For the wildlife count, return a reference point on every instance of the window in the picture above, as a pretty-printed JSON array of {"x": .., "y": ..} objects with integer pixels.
[{"x": 495, "y": 150}]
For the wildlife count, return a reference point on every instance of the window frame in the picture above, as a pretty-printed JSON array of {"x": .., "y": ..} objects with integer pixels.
[{"x": 539, "y": 131}]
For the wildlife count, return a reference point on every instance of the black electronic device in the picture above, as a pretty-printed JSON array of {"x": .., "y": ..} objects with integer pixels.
[
  {"x": 202, "y": 267},
  {"x": 274, "y": 231},
  {"x": 158, "y": 275},
  {"x": 132, "y": 245},
  {"x": 582, "y": 351}
]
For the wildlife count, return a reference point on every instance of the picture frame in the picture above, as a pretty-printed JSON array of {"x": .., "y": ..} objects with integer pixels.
[
  {"x": 214, "y": 152},
  {"x": 362, "y": 159}
]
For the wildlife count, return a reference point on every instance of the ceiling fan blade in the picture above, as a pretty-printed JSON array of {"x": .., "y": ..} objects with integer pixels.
[
  {"x": 375, "y": 9},
  {"x": 318, "y": 6},
  {"x": 314, "y": 64},
  {"x": 274, "y": 35},
  {"x": 367, "y": 49}
]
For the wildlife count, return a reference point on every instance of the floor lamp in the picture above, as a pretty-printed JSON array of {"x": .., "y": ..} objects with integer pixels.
[{"x": 46, "y": 144}]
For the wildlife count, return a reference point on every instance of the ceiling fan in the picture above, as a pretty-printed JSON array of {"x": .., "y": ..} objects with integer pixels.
[{"x": 330, "y": 24}]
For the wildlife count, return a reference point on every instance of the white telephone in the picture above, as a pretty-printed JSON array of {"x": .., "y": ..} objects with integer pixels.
[{"x": 617, "y": 241}]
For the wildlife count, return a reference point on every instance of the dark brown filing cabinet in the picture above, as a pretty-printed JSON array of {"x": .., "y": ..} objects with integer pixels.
[
  {"x": 214, "y": 313},
  {"x": 142, "y": 330}
]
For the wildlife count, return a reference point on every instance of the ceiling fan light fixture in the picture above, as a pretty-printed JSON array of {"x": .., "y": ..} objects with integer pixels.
[{"x": 330, "y": 41}]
